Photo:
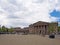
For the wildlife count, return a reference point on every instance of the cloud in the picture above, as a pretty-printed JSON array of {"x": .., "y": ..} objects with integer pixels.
[
  {"x": 58, "y": 5},
  {"x": 3, "y": 18},
  {"x": 25, "y": 12}
]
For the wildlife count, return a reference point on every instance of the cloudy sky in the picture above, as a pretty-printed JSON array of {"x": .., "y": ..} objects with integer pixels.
[{"x": 15, "y": 13}]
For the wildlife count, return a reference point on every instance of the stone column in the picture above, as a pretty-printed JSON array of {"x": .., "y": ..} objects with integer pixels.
[
  {"x": 44, "y": 30},
  {"x": 38, "y": 30},
  {"x": 41, "y": 29},
  {"x": 43, "y": 33},
  {"x": 47, "y": 31}
]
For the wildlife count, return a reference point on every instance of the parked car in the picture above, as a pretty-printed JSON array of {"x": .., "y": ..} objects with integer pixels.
[{"x": 52, "y": 35}]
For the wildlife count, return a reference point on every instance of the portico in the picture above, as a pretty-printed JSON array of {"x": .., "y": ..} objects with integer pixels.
[{"x": 39, "y": 28}]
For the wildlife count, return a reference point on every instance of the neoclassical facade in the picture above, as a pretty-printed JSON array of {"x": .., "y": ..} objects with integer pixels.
[
  {"x": 42, "y": 27},
  {"x": 39, "y": 27}
]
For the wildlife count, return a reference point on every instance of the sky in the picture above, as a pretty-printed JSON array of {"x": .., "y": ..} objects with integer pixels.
[{"x": 22, "y": 13}]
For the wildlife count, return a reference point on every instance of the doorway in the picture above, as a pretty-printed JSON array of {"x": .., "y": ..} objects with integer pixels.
[{"x": 40, "y": 32}]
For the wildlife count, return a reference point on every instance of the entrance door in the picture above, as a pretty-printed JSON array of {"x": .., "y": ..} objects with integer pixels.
[{"x": 40, "y": 32}]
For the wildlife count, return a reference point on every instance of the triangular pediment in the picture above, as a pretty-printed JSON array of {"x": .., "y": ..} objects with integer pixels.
[{"x": 41, "y": 23}]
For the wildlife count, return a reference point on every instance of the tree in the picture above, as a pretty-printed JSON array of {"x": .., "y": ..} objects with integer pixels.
[
  {"x": 10, "y": 30},
  {"x": 3, "y": 29},
  {"x": 58, "y": 28},
  {"x": 51, "y": 28},
  {"x": 0, "y": 29}
]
